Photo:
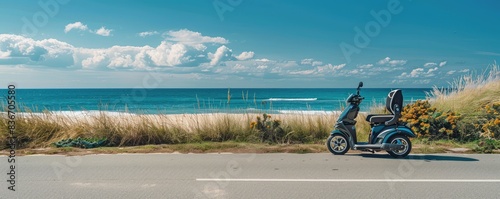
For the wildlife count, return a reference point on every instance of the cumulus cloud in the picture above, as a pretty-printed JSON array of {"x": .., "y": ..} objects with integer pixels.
[
  {"x": 77, "y": 25},
  {"x": 4, "y": 55},
  {"x": 263, "y": 60},
  {"x": 15, "y": 46},
  {"x": 431, "y": 71},
  {"x": 303, "y": 72},
  {"x": 306, "y": 61},
  {"x": 245, "y": 55},
  {"x": 430, "y": 64},
  {"x": 319, "y": 70},
  {"x": 464, "y": 71},
  {"x": 311, "y": 62},
  {"x": 384, "y": 61},
  {"x": 416, "y": 72},
  {"x": 420, "y": 72},
  {"x": 388, "y": 61},
  {"x": 148, "y": 33},
  {"x": 366, "y": 66},
  {"x": 261, "y": 67},
  {"x": 193, "y": 38},
  {"x": 82, "y": 27},
  {"x": 316, "y": 63},
  {"x": 51, "y": 52},
  {"x": 103, "y": 31},
  {"x": 220, "y": 53},
  {"x": 451, "y": 72},
  {"x": 181, "y": 57}
]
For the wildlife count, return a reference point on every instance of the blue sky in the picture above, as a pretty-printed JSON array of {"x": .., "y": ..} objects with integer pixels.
[{"x": 243, "y": 43}]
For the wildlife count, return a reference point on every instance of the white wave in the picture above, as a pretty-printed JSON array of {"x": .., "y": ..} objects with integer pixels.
[
  {"x": 292, "y": 99},
  {"x": 309, "y": 112},
  {"x": 77, "y": 114}
]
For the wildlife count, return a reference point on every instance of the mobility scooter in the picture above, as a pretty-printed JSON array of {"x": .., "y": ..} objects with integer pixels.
[{"x": 387, "y": 132}]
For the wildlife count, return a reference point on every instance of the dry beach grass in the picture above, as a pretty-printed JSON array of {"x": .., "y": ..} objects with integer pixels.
[{"x": 124, "y": 129}]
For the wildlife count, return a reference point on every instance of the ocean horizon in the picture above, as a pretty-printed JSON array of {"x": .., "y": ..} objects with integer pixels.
[{"x": 201, "y": 100}]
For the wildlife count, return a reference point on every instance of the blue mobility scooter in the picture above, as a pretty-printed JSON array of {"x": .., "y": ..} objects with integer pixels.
[{"x": 387, "y": 132}]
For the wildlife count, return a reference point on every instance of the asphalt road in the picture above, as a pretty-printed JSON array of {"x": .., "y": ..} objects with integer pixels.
[{"x": 253, "y": 176}]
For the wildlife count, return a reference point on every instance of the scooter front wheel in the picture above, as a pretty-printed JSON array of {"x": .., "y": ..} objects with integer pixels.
[
  {"x": 403, "y": 140},
  {"x": 337, "y": 144}
]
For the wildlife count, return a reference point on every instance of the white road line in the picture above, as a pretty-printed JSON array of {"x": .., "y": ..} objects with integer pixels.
[{"x": 348, "y": 180}]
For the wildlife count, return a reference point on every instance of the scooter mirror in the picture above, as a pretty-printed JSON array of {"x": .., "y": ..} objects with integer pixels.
[{"x": 360, "y": 84}]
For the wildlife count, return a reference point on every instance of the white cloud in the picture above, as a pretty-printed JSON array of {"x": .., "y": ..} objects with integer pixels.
[
  {"x": 148, "y": 33},
  {"x": 464, "y": 71},
  {"x": 192, "y": 38},
  {"x": 384, "y": 61},
  {"x": 288, "y": 64},
  {"x": 4, "y": 55},
  {"x": 263, "y": 60},
  {"x": 451, "y": 72},
  {"x": 27, "y": 50},
  {"x": 239, "y": 67},
  {"x": 303, "y": 72},
  {"x": 431, "y": 71},
  {"x": 420, "y": 72},
  {"x": 338, "y": 67},
  {"x": 316, "y": 63},
  {"x": 355, "y": 71},
  {"x": 329, "y": 68},
  {"x": 306, "y": 61},
  {"x": 441, "y": 64},
  {"x": 76, "y": 25},
  {"x": 218, "y": 55},
  {"x": 54, "y": 53},
  {"x": 174, "y": 57},
  {"x": 430, "y": 64},
  {"x": 245, "y": 56},
  {"x": 416, "y": 72},
  {"x": 262, "y": 67},
  {"x": 366, "y": 66},
  {"x": 311, "y": 62},
  {"x": 388, "y": 61},
  {"x": 103, "y": 31},
  {"x": 397, "y": 62},
  {"x": 168, "y": 54},
  {"x": 82, "y": 27}
]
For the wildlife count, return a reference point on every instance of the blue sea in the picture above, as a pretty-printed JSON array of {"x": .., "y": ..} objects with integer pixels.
[{"x": 179, "y": 101}]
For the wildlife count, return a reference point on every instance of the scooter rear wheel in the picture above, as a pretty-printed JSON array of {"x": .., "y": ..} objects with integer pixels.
[
  {"x": 400, "y": 139},
  {"x": 337, "y": 144}
]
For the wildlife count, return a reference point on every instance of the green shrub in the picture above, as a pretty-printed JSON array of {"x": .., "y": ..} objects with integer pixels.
[
  {"x": 486, "y": 145},
  {"x": 269, "y": 130}
]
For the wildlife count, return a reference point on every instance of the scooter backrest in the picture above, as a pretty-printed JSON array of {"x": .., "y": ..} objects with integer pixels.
[{"x": 394, "y": 97}]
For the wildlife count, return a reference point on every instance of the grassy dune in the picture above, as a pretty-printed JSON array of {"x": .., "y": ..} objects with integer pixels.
[{"x": 123, "y": 129}]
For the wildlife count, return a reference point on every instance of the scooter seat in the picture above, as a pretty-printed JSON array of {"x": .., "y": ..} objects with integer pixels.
[{"x": 377, "y": 119}]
